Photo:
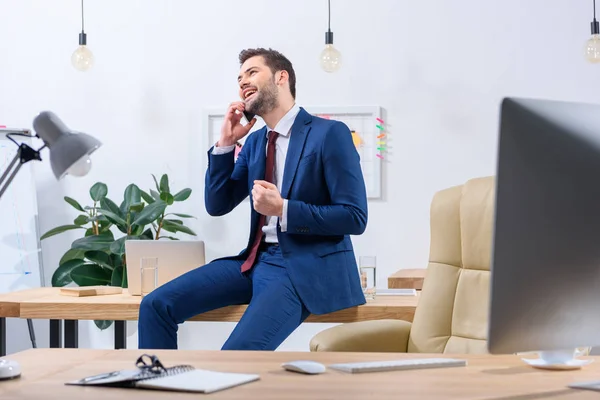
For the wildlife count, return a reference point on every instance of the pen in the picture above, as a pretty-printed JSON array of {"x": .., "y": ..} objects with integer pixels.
[{"x": 101, "y": 376}]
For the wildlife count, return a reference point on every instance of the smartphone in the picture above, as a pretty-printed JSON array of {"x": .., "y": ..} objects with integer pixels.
[{"x": 248, "y": 116}]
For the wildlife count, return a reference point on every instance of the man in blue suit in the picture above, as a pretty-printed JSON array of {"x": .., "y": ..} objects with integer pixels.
[{"x": 308, "y": 195}]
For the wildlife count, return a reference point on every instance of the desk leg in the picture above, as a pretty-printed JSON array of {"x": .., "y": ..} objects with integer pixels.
[
  {"x": 55, "y": 333},
  {"x": 71, "y": 334},
  {"x": 2, "y": 336},
  {"x": 120, "y": 334}
]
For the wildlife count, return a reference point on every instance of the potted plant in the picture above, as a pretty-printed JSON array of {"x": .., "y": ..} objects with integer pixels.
[{"x": 98, "y": 258}]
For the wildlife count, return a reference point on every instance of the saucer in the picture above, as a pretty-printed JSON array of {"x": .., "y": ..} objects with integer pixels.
[{"x": 571, "y": 364}]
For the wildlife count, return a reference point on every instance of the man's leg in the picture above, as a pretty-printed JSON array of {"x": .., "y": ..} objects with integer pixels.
[
  {"x": 217, "y": 284},
  {"x": 275, "y": 310}
]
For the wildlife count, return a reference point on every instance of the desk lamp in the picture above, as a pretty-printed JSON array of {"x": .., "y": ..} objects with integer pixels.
[
  {"x": 69, "y": 150},
  {"x": 69, "y": 155}
]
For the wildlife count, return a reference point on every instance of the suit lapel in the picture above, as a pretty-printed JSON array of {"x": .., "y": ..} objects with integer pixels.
[{"x": 298, "y": 137}]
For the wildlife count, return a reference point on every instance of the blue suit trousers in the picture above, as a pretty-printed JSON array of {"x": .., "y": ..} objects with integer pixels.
[{"x": 274, "y": 307}]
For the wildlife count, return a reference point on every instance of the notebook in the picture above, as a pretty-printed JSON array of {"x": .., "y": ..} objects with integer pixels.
[{"x": 153, "y": 375}]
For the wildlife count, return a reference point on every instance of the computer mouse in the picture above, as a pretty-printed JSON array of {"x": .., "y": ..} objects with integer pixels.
[
  {"x": 304, "y": 367},
  {"x": 9, "y": 369}
]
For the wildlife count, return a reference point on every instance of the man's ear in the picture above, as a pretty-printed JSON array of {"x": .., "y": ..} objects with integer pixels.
[{"x": 282, "y": 77}]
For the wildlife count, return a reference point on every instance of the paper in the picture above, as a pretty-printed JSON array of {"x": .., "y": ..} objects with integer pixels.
[{"x": 198, "y": 380}]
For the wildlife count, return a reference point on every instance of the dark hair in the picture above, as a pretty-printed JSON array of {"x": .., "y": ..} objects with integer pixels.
[{"x": 275, "y": 61}]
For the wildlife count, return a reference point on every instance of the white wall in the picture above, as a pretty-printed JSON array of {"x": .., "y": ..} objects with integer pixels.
[{"x": 438, "y": 68}]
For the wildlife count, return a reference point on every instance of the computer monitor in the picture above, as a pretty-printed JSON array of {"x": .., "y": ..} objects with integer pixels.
[{"x": 545, "y": 267}]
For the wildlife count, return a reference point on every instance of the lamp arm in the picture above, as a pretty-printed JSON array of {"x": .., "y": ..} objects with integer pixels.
[{"x": 24, "y": 155}]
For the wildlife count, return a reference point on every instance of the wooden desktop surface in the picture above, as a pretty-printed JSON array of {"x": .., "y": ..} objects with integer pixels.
[
  {"x": 47, "y": 303},
  {"x": 486, "y": 377},
  {"x": 407, "y": 279}
]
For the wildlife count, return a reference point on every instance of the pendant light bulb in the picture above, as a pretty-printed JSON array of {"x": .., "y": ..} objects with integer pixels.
[
  {"x": 82, "y": 58},
  {"x": 331, "y": 58},
  {"x": 592, "y": 46}
]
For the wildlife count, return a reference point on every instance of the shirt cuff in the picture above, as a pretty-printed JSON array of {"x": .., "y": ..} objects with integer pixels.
[
  {"x": 283, "y": 221},
  {"x": 222, "y": 150}
]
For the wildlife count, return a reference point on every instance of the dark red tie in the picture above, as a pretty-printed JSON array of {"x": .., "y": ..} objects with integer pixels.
[{"x": 270, "y": 166}]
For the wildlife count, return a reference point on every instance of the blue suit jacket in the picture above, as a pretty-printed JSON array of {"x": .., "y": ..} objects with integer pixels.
[{"x": 327, "y": 202}]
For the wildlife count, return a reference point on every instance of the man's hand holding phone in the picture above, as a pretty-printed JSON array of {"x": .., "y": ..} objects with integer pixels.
[{"x": 232, "y": 130}]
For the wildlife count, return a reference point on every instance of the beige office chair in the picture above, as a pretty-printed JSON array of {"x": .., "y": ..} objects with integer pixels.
[{"x": 452, "y": 313}]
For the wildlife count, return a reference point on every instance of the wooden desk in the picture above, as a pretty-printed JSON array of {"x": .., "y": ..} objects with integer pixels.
[
  {"x": 47, "y": 303},
  {"x": 407, "y": 279},
  {"x": 486, "y": 377}
]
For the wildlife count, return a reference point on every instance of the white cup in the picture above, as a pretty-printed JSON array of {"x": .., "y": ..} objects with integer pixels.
[{"x": 561, "y": 356}]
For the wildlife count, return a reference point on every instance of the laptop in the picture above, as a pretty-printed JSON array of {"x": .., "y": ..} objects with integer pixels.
[{"x": 175, "y": 257}]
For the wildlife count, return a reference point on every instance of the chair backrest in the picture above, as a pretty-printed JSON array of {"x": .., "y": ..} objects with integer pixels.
[{"x": 452, "y": 313}]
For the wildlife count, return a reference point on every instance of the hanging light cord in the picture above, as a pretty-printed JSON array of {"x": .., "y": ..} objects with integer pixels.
[
  {"x": 329, "y": 14},
  {"x": 82, "y": 16}
]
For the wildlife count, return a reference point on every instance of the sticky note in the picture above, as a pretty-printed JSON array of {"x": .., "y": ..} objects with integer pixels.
[
  {"x": 379, "y": 126},
  {"x": 379, "y": 155},
  {"x": 380, "y": 136},
  {"x": 380, "y": 120},
  {"x": 356, "y": 139}
]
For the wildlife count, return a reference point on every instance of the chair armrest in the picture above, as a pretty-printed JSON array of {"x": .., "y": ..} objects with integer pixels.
[{"x": 365, "y": 336}]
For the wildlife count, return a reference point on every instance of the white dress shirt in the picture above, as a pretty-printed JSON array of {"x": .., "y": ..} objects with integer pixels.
[{"x": 284, "y": 128}]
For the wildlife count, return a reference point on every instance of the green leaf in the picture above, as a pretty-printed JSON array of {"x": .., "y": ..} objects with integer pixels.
[
  {"x": 99, "y": 257},
  {"x": 150, "y": 213},
  {"x": 147, "y": 234},
  {"x": 155, "y": 194},
  {"x": 104, "y": 226},
  {"x": 100, "y": 242},
  {"x": 167, "y": 198},
  {"x": 132, "y": 196},
  {"x": 118, "y": 246},
  {"x": 164, "y": 184},
  {"x": 98, "y": 191},
  {"x": 175, "y": 221},
  {"x": 59, "y": 229},
  {"x": 102, "y": 325},
  {"x": 62, "y": 274},
  {"x": 81, "y": 220},
  {"x": 183, "y": 194},
  {"x": 89, "y": 232},
  {"x": 147, "y": 198},
  {"x": 156, "y": 183},
  {"x": 74, "y": 203},
  {"x": 114, "y": 218},
  {"x": 116, "y": 278},
  {"x": 91, "y": 275},
  {"x": 108, "y": 204},
  {"x": 137, "y": 207},
  {"x": 116, "y": 260},
  {"x": 168, "y": 237},
  {"x": 72, "y": 254},
  {"x": 125, "y": 283},
  {"x": 181, "y": 215},
  {"x": 173, "y": 227},
  {"x": 137, "y": 230}
]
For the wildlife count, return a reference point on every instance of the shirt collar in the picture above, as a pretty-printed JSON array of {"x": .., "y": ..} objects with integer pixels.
[{"x": 284, "y": 126}]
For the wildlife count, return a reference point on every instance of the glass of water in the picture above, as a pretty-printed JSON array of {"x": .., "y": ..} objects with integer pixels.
[
  {"x": 368, "y": 275},
  {"x": 149, "y": 274}
]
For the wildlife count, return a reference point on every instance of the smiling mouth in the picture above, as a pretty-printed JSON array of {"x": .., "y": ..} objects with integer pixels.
[{"x": 249, "y": 93}]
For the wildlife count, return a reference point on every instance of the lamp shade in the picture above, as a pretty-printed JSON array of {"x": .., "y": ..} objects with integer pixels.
[{"x": 69, "y": 150}]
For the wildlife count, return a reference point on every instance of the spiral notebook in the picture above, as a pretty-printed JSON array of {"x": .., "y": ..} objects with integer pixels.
[{"x": 151, "y": 374}]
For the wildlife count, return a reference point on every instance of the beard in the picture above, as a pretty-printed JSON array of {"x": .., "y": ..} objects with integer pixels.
[{"x": 265, "y": 101}]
